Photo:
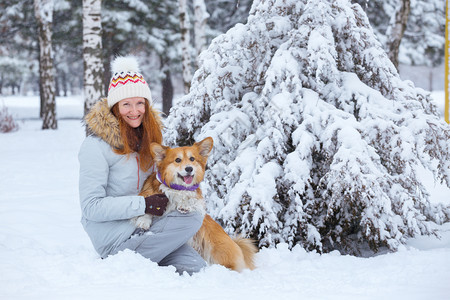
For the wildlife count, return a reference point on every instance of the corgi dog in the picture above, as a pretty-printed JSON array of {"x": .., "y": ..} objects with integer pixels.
[{"x": 179, "y": 173}]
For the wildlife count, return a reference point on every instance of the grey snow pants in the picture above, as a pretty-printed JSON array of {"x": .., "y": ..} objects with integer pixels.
[{"x": 166, "y": 242}]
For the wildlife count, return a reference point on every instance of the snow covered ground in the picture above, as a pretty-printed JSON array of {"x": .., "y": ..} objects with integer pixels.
[{"x": 44, "y": 252}]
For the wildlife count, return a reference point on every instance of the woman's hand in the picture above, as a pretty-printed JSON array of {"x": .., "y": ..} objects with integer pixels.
[{"x": 156, "y": 204}]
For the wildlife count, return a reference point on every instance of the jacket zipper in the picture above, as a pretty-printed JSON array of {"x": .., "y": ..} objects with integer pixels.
[{"x": 137, "y": 160}]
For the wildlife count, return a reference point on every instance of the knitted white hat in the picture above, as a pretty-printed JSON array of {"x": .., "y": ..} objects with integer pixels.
[{"x": 126, "y": 81}]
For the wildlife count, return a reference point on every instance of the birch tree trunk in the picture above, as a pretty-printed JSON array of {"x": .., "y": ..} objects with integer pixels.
[
  {"x": 92, "y": 53},
  {"x": 201, "y": 16},
  {"x": 43, "y": 10},
  {"x": 396, "y": 29},
  {"x": 185, "y": 44}
]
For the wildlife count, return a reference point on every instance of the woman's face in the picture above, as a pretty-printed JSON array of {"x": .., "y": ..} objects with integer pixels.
[{"x": 132, "y": 110}]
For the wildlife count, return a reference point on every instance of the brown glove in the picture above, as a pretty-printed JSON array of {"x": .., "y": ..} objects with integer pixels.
[{"x": 156, "y": 204}]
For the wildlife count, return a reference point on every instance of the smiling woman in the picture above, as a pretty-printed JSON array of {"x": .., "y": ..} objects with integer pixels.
[{"x": 114, "y": 162}]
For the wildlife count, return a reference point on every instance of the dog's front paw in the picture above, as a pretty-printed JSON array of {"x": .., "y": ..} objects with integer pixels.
[
  {"x": 183, "y": 210},
  {"x": 143, "y": 222}
]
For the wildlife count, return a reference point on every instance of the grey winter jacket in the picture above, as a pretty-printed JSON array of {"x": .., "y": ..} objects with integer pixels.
[{"x": 109, "y": 184}]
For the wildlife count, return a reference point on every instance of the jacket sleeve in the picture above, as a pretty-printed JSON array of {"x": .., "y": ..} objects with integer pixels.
[{"x": 95, "y": 204}]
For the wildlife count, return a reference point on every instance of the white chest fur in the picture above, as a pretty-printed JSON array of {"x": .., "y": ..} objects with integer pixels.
[{"x": 183, "y": 201}]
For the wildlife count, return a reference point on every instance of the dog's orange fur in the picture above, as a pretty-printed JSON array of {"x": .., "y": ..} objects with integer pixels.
[{"x": 211, "y": 241}]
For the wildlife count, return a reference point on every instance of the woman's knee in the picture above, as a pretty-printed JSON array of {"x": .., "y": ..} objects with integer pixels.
[
  {"x": 190, "y": 268},
  {"x": 190, "y": 222},
  {"x": 197, "y": 221},
  {"x": 184, "y": 259}
]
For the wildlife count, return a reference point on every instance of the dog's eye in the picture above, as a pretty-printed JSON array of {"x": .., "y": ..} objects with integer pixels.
[
  {"x": 191, "y": 159},
  {"x": 178, "y": 160}
]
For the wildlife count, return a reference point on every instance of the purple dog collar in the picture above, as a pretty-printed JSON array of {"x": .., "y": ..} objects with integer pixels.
[{"x": 176, "y": 186}]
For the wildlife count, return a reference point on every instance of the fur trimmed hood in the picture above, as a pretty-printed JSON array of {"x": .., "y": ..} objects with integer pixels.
[{"x": 100, "y": 121}]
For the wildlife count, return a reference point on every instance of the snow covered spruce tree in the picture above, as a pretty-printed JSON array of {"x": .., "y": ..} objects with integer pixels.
[{"x": 318, "y": 142}]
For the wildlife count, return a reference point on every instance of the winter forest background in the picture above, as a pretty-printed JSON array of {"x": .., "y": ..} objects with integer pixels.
[
  {"x": 151, "y": 30},
  {"x": 319, "y": 140}
]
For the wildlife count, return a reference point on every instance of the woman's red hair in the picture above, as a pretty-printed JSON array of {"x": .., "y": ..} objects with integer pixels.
[{"x": 139, "y": 139}]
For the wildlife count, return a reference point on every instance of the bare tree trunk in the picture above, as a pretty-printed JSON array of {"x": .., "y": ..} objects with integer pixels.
[
  {"x": 167, "y": 92},
  {"x": 201, "y": 16},
  {"x": 57, "y": 85},
  {"x": 185, "y": 45},
  {"x": 108, "y": 54},
  {"x": 167, "y": 86},
  {"x": 395, "y": 30},
  {"x": 92, "y": 53},
  {"x": 64, "y": 82},
  {"x": 41, "y": 97},
  {"x": 43, "y": 10}
]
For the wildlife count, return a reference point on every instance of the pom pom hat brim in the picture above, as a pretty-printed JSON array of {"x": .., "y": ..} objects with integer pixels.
[{"x": 126, "y": 81}]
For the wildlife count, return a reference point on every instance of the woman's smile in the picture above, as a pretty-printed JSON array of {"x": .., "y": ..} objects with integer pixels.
[{"x": 132, "y": 110}]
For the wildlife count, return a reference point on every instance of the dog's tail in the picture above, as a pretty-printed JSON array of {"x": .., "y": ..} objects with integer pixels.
[{"x": 248, "y": 249}]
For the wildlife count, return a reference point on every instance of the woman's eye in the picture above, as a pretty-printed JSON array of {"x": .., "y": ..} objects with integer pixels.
[
  {"x": 191, "y": 159},
  {"x": 178, "y": 160}
]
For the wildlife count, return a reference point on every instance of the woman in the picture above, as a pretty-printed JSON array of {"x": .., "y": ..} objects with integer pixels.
[{"x": 114, "y": 162}]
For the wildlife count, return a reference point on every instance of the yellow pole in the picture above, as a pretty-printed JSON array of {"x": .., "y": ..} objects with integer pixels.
[{"x": 447, "y": 62}]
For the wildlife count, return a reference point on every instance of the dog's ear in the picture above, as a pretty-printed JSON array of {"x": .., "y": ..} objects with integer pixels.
[
  {"x": 205, "y": 146},
  {"x": 158, "y": 151}
]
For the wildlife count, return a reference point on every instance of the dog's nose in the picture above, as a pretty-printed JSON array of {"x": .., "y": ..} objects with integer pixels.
[{"x": 189, "y": 169}]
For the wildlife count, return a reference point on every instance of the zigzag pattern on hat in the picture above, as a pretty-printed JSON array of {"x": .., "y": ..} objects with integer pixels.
[
  {"x": 128, "y": 78},
  {"x": 127, "y": 81}
]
